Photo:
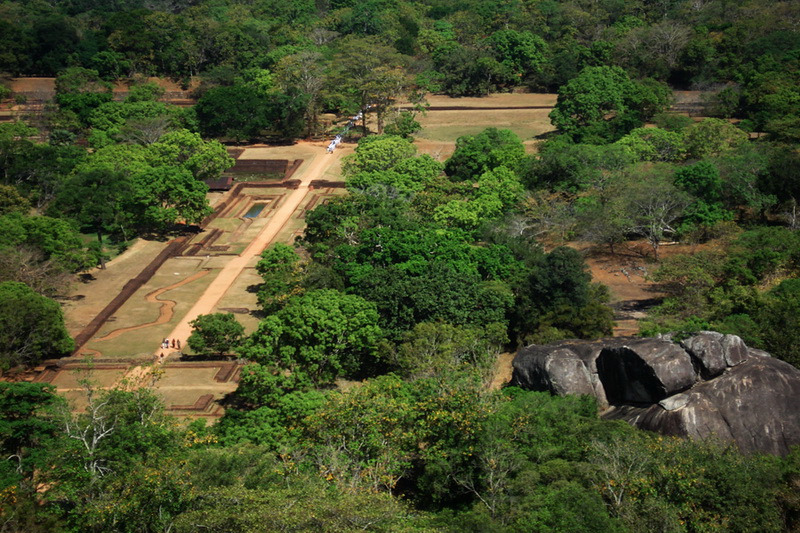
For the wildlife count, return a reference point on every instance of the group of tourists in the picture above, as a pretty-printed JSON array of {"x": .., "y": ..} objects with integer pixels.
[
  {"x": 350, "y": 123},
  {"x": 175, "y": 344}
]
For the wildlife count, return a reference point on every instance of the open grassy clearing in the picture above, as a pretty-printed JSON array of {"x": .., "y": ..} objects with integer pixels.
[
  {"x": 449, "y": 125},
  {"x": 243, "y": 296},
  {"x": 86, "y": 299},
  {"x": 145, "y": 318},
  {"x": 72, "y": 378},
  {"x": 224, "y": 224},
  {"x": 494, "y": 100},
  {"x": 476, "y": 114},
  {"x": 178, "y": 376}
]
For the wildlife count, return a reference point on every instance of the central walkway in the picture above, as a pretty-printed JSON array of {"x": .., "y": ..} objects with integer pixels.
[{"x": 225, "y": 279}]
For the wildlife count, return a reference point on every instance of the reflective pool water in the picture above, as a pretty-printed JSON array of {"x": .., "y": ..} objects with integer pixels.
[{"x": 254, "y": 210}]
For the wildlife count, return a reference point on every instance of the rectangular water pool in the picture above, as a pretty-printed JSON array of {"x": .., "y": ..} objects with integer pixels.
[{"x": 254, "y": 210}]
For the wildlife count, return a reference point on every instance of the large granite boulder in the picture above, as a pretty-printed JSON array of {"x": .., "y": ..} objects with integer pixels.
[
  {"x": 707, "y": 352},
  {"x": 644, "y": 371},
  {"x": 627, "y": 370},
  {"x": 713, "y": 352},
  {"x": 754, "y": 404},
  {"x": 558, "y": 370},
  {"x": 561, "y": 368},
  {"x": 710, "y": 385}
]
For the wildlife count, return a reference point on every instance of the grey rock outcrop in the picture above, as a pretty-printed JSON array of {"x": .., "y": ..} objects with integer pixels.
[
  {"x": 706, "y": 349},
  {"x": 644, "y": 371},
  {"x": 710, "y": 385},
  {"x": 560, "y": 371}
]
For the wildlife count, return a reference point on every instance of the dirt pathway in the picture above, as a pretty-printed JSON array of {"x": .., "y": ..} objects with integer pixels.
[{"x": 225, "y": 279}]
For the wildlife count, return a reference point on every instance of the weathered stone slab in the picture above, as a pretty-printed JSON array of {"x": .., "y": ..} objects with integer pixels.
[
  {"x": 645, "y": 371},
  {"x": 551, "y": 368},
  {"x": 706, "y": 350}
]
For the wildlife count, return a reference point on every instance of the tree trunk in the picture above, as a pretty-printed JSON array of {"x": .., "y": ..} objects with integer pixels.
[{"x": 100, "y": 250}]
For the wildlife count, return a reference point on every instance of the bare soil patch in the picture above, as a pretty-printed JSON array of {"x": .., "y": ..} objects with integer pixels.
[{"x": 627, "y": 273}]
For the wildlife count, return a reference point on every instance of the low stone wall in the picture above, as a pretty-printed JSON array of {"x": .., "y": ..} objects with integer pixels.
[{"x": 326, "y": 184}]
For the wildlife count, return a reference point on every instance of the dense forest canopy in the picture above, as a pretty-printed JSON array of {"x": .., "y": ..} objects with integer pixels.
[
  {"x": 460, "y": 48},
  {"x": 411, "y": 284}
]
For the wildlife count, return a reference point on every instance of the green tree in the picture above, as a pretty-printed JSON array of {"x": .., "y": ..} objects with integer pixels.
[
  {"x": 204, "y": 159},
  {"x": 783, "y": 181},
  {"x": 112, "y": 121},
  {"x": 81, "y": 91},
  {"x": 378, "y": 422},
  {"x": 55, "y": 240},
  {"x": 654, "y": 205},
  {"x": 12, "y": 202},
  {"x": 368, "y": 74},
  {"x": 249, "y": 110},
  {"x": 238, "y": 112},
  {"x": 118, "y": 467},
  {"x": 436, "y": 348},
  {"x": 521, "y": 52},
  {"x": 575, "y": 168},
  {"x": 375, "y": 154},
  {"x": 744, "y": 174},
  {"x": 15, "y": 145},
  {"x": 587, "y": 101},
  {"x": 282, "y": 271},
  {"x": 163, "y": 196},
  {"x": 702, "y": 180},
  {"x": 403, "y": 124},
  {"x": 305, "y": 503},
  {"x": 217, "y": 333},
  {"x": 712, "y": 137},
  {"x": 305, "y": 72},
  {"x": 590, "y": 97},
  {"x": 94, "y": 198},
  {"x": 778, "y": 321},
  {"x": 31, "y": 327},
  {"x": 322, "y": 333},
  {"x": 466, "y": 71},
  {"x": 655, "y": 144},
  {"x": 24, "y": 427},
  {"x": 486, "y": 151}
]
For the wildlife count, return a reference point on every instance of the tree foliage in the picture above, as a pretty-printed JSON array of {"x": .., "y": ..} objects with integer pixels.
[
  {"x": 31, "y": 326},
  {"x": 217, "y": 333},
  {"x": 323, "y": 334}
]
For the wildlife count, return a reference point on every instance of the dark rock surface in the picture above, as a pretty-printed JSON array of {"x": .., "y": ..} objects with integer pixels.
[
  {"x": 558, "y": 370},
  {"x": 710, "y": 385},
  {"x": 644, "y": 371},
  {"x": 706, "y": 350}
]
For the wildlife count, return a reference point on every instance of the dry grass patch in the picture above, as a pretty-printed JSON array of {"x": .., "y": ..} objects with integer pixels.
[
  {"x": 88, "y": 299},
  {"x": 495, "y": 100},
  {"x": 450, "y": 125},
  {"x": 146, "y": 317},
  {"x": 71, "y": 378}
]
